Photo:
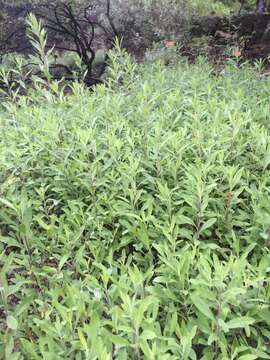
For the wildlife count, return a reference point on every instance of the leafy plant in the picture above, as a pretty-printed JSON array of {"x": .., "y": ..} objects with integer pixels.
[{"x": 134, "y": 221}]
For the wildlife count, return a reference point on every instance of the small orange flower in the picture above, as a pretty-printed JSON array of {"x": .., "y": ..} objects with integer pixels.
[
  {"x": 236, "y": 53},
  {"x": 169, "y": 43}
]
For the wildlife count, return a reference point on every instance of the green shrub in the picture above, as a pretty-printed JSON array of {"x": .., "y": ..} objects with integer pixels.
[
  {"x": 135, "y": 219},
  {"x": 208, "y": 7}
]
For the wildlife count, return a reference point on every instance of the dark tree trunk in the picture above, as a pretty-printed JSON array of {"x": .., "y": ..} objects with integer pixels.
[{"x": 260, "y": 6}]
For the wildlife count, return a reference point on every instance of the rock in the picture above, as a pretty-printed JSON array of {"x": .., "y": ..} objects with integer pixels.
[{"x": 223, "y": 35}]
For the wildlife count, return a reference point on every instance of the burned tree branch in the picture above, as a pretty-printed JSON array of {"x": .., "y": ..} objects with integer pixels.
[{"x": 82, "y": 29}]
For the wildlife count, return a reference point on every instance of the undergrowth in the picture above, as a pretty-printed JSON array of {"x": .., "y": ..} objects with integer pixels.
[{"x": 135, "y": 218}]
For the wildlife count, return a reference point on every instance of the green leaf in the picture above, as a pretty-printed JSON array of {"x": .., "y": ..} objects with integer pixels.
[
  {"x": 42, "y": 224},
  {"x": 148, "y": 335},
  {"x": 240, "y": 322},
  {"x": 30, "y": 349},
  {"x": 9, "y": 346},
  {"x": 12, "y": 323},
  {"x": 62, "y": 261},
  {"x": 7, "y": 203},
  {"x": 144, "y": 305},
  {"x": 186, "y": 343},
  {"x": 146, "y": 349},
  {"x": 173, "y": 323},
  {"x": 93, "y": 327},
  {"x": 82, "y": 339},
  {"x": 208, "y": 224},
  {"x": 201, "y": 306},
  {"x": 248, "y": 357},
  {"x": 118, "y": 340},
  {"x": 143, "y": 236}
]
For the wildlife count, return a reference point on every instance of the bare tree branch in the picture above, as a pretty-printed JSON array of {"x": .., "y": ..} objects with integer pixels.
[{"x": 72, "y": 29}]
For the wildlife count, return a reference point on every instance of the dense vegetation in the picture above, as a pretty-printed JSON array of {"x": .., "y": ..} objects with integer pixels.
[
  {"x": 134, "y": 214},
  {"x": 135, "y": 218}
]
